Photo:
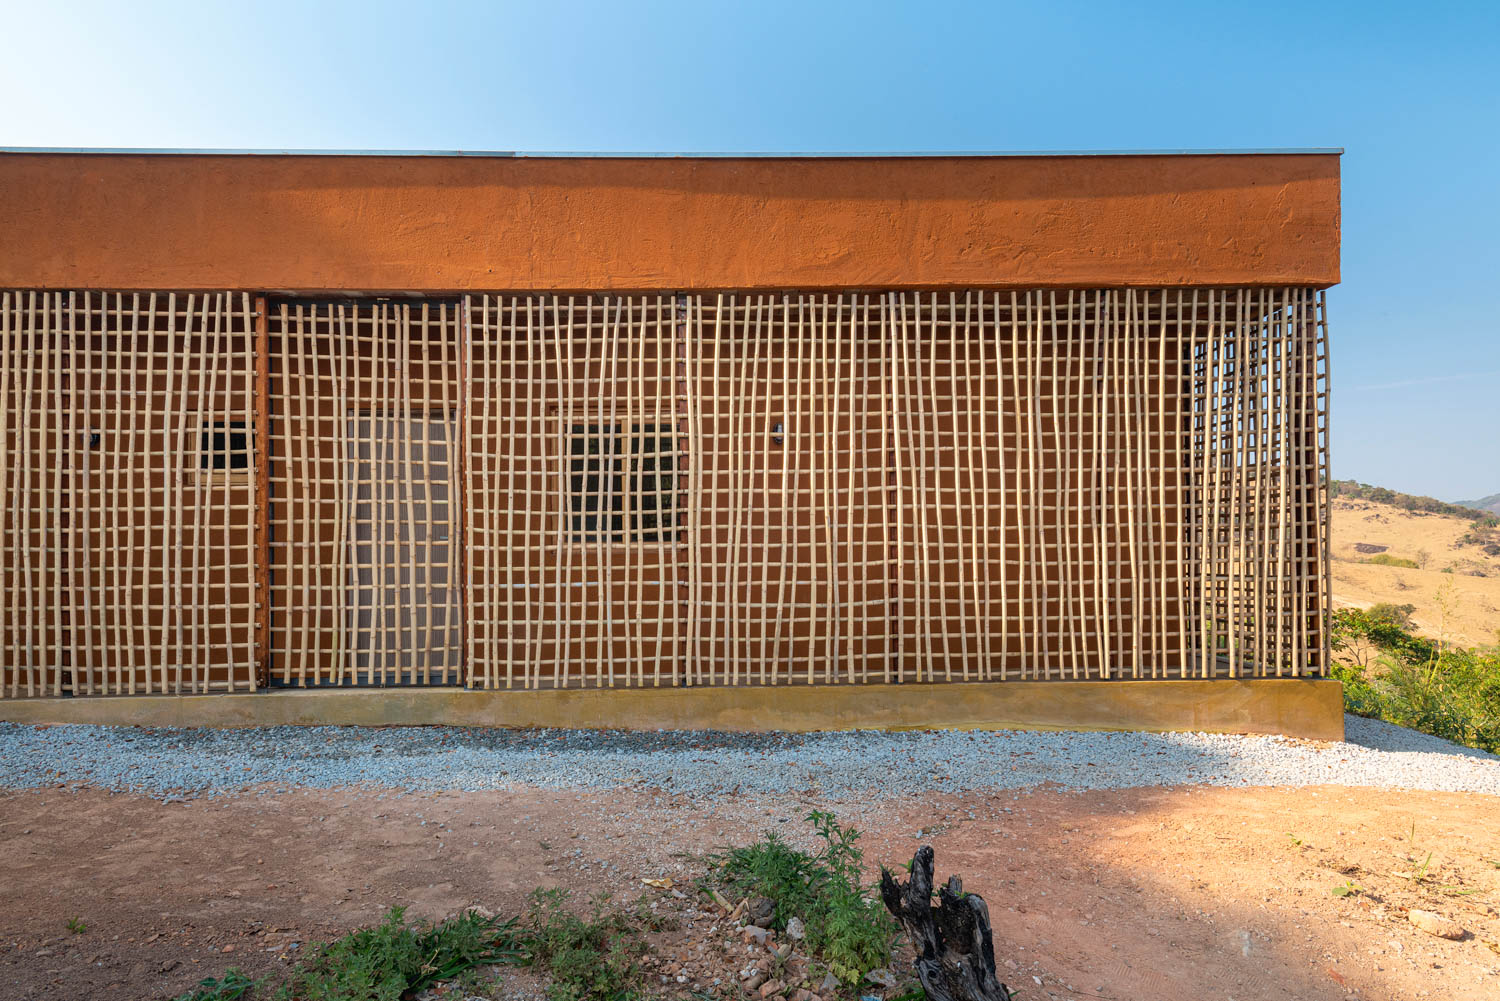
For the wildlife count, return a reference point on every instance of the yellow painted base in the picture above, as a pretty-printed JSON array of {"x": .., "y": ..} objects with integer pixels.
[{"x": 1296, "y": 707}]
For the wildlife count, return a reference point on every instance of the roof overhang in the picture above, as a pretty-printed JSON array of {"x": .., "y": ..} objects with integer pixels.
[{"x": 437, "y": 222}]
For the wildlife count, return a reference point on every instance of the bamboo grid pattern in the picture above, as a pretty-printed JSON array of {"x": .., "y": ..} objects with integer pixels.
[
  {"x": 704, "y": 489},
  {"x": 126, "y": 560},
  {"x": 909, "y": 487},
  {"x": 364, "y": 551}
]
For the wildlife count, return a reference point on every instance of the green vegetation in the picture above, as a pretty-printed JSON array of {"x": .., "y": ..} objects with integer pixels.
[
  {"x": 1348, "y": 888},
  {"x": 76, "y": 926},
  {"x": 846, "y": 924},
  {"x": 233, "y": 986},
  {"x": 594, "y": 957},
  {"x": 389, "y": 962},
  {"x": 1387, "y": 560},
  {"x": 1392, "y": 674},
  {"x": 394, "y": 959}
]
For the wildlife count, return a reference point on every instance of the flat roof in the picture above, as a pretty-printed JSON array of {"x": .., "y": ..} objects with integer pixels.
[
  {"x": 562, "y": 154},
  {"x": 443, "y": 224}
]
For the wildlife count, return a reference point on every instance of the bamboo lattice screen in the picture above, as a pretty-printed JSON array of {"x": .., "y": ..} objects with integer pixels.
[
  {"x": 552, "y": 491},
  {"x": 364, "y": 554},
  {"x": 126, "y": 559}
]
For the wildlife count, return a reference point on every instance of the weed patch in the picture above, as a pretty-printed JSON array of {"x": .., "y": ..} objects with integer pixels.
[
  {"x": 598, "y": 957},
  {"x": 847, "y": 927},
  {"x": 232, "y": 986},
  {"x": 393, "y": 958}
]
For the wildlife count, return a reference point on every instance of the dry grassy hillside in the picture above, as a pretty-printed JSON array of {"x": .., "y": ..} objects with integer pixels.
[{"x": 1471, "y": 592}]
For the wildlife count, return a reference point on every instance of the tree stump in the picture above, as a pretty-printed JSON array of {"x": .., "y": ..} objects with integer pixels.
[{"x": 955, "y": 953}]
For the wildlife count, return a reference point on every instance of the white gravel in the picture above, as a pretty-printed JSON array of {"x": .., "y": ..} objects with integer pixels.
[{"x": 170, "y": 763}]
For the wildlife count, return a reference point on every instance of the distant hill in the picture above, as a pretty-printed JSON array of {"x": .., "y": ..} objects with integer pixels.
[
  {"x": 1490, "y": 503},
  {"x": 1354, "y": 490}
]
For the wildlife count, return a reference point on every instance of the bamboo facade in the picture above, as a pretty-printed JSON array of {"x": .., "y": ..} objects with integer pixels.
[{"x": 555, "y": 491}]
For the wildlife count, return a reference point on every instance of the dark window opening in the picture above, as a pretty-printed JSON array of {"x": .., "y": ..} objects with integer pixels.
[
  {"x": 622, "y": 485},
  {"x": 225, "y": 445}
]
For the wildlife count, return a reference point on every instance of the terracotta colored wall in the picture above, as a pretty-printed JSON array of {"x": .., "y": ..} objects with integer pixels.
[{"x": 451, "y": 223}]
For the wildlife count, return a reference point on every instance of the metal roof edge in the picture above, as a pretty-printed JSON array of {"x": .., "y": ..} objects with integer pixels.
[{"x": 520, "y": 154}]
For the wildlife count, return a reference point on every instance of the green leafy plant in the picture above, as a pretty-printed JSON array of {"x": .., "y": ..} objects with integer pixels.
[
  {"x": 1387, "y": 560},
  {"x": 594, "y": 958},
  {"x": 233, "y": 986},
  {"x": 1348, "y": 888},
  {"x": 847, "y": 926},
  {"x": 393, "y": 959},
  {"x": 76, "y": 926},
  {"x": 1448, "y": 691}
]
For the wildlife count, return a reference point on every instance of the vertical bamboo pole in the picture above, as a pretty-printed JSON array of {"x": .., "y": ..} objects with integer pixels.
[
  {"x": 26, "y": 354},
  {"x": 81, "y": 491},
  {"x": 261, "y": 452},
  {"x": 1313, "y": 308},
  {"x": 462, "y": 519},
  {"x": 562, "y": 667},
  {"x": 691, "y": 332},
  {"x": 10, "y": 668}
]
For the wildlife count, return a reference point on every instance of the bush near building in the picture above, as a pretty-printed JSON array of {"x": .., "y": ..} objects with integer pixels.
[{"x": 1447, "y": 691}]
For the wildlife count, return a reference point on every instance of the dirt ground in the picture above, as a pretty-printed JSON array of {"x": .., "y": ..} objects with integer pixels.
[{"x": 1159, "y": 894}]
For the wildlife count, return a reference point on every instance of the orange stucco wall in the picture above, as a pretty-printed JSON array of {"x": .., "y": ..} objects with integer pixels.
[{"x": 434, "y": 224}]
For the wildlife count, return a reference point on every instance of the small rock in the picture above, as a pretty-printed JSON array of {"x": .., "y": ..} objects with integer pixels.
[
  {"x": 755, "y": 981},
  {"x": 830, "y": 983},
  {"x": 227, "y": 948},
  {"x": 752, "y": 933},
  {"x": 772, "y": 988},
  {"x": 761, "y": 912},
  {"x": 802, "y": 994},
  {"x": 796, "y": 930},
  {"x": 1435, "y": 924},
  {"x": 882, "y": 977}
]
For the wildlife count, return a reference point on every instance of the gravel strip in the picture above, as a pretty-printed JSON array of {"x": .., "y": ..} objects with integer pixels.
[{"x": 847, "y": 765}]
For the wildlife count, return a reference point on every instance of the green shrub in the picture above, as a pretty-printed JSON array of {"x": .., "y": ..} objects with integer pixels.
[
  {"x": 1452, "y": 693},
  {"x": 1387, "y": 560},
  {"x": 233, "y": 986},
  {"x": 589, "y": 959},
  {"x": 848, "y": 927},
  {"x": 394, "y": 960},
  {"x": 1396, "y": 615}
]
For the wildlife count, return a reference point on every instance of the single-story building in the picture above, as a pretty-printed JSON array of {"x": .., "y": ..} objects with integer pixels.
[{"x": 667, "y": 440}]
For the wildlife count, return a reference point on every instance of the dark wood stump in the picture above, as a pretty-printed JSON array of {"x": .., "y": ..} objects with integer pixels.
[{"x": 955, "y": 954}]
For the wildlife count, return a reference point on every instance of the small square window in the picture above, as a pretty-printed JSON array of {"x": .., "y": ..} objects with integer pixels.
[
  {"x": 224, "y": 446},
  {"x": 621, "y": 482}
]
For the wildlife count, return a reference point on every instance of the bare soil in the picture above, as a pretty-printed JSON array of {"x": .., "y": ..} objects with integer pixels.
[{"x": 1162, "y": 894}]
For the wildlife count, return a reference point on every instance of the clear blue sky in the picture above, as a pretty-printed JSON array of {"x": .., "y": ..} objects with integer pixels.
[{"x": 1412, "y": 91}]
